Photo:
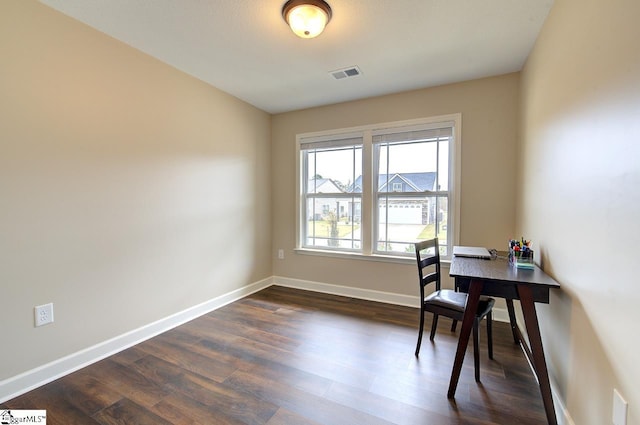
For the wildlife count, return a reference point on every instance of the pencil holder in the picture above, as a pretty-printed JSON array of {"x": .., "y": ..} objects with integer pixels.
[
  {"x": 523, "y": 256},
  {"x": 520, "y": 253}
]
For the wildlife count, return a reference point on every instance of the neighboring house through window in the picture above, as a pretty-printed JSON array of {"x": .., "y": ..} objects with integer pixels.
[{"x": 409, "y": 192}]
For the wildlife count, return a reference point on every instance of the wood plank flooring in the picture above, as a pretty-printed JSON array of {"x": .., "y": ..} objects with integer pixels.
[{"x": 285, "y": 356}]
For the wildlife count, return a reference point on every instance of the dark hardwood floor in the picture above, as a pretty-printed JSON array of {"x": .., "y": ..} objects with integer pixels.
[{"x": 285, "y": 356}]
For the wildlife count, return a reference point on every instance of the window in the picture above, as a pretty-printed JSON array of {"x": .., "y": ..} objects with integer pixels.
[
  {"x": 377, "y": 190},
  {"x": 331, "y": 197},
  {"x": 412, "y": 196}
]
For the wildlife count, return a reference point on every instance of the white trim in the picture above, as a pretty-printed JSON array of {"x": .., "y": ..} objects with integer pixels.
[
  {"x": 366, "y": 205},
  {"x": 348, "y": 291},
  {"x": 368, "y": 227},
  {"x": 455, "y": 179},
  {"x": 41, "y": 375},
  {"x": 382, "y": 127},
  {"x": 499, "y": 314},
  {"x": 351, "y": 255},
  {"x": 31, "y": 379},
  {"x": 562, "y": 414}
]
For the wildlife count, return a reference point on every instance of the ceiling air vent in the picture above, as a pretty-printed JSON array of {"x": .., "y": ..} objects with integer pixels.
[{"x": 339, "y": 74}]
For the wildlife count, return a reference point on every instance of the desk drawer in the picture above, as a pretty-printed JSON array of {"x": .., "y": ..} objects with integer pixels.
[{"x": 505, "y": 290}]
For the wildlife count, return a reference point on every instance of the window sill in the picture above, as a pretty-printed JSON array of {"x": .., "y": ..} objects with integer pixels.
[{"x": 409, "y": 260}]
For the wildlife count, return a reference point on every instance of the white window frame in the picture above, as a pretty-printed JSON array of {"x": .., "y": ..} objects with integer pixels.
[
  {"x": 368, "y": 203},
  {"x": 346, "y": 140}
]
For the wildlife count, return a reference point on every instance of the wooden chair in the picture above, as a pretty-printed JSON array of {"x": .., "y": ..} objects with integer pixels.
[{"x": 447, "y": 302}]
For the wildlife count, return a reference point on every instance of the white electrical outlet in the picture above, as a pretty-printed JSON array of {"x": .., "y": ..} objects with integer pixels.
[
  {"x": 281, "y": 254},
  {"x": 619, "y": 409},
  {"x": 44, "y": 314}
]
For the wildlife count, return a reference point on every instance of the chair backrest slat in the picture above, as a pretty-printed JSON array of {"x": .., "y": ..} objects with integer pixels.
[
  {"x": 427, "y": 260},
  {"x": 431, "y": 277}
]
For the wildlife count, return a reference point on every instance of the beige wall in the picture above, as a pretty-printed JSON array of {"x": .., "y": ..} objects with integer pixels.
[
  {"x": 489, "y": 133},
  {"x": 123, "y": 188},
  {"x": 580, "y": 199},
  {"x": 122, "y": 182}
]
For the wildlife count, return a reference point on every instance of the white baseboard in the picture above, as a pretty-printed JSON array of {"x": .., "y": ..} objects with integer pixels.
[
  {"x": 348, "y": 291},
  {"x": 499, "y": 314},
  {"x": 562, "y": 414},
  {"x": 31, "y": 379}
]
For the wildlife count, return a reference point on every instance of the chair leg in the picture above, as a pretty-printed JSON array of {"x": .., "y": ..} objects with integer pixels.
[
  {"x": 512, "y": 321},
  {"x": 490, "y": 334},
  {"x": 476, "y": 348},
  {"x": 434, "y": 325},
  {"x": 420, "y": 332}
]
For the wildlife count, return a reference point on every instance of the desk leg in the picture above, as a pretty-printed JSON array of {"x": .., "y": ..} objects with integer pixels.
[
  {"x": 512, "y": 320},
  {"x": 539, "y": 362},
  {"x": 475, "y": 288}
]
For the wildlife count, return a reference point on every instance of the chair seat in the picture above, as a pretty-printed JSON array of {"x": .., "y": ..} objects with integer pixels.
[{"x": 456, "y": 301}]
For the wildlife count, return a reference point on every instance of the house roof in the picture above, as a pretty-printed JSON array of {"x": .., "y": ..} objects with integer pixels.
[
  {"x": 415, "y": 182},
  {"x": 321, "y": 185}
]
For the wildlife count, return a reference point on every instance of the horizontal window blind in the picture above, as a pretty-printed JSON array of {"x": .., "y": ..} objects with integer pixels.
[
  {"x": 414, "y": 135},
  {"x": 311, "y": 144}
]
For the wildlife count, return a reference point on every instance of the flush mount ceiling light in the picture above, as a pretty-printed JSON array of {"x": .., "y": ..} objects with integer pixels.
[{"x": 307, "y": 18}]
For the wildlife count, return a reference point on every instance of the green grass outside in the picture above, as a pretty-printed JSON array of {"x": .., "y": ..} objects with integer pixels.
[
  {"x": 323, "y": 228},
  {"x": 429, "y": 232}
]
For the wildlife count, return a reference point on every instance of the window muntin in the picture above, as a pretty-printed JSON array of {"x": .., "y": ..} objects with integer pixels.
[{"x": 397, "y": 187}]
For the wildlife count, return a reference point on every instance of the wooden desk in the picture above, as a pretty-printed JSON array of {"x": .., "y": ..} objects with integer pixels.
[{"x": 498, "y": 278}]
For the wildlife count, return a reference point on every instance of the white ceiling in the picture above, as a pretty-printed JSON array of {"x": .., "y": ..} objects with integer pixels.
[{"x": 244, "y": 47}]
